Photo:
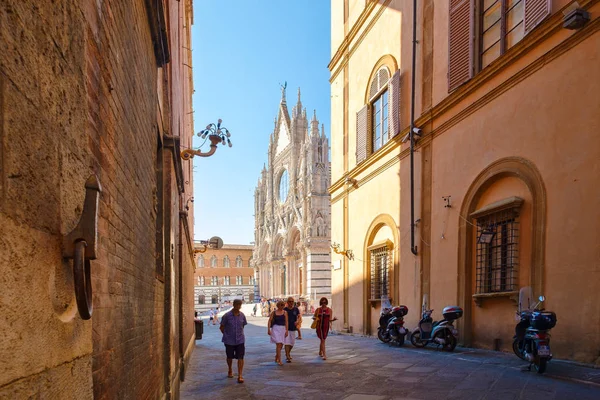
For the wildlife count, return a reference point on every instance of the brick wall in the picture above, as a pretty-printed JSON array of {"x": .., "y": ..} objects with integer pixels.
[{"x": 81, "y": 93}]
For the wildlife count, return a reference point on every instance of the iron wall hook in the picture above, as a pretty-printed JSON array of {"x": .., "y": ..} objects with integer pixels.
[{"x": 81, "y": 245}]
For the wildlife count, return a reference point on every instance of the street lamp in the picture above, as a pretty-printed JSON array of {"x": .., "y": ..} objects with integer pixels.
[{"x": 216, "y": 134}]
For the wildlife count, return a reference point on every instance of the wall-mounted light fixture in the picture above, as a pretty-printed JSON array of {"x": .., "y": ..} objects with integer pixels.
[
  {"x": 575, "y": 17},
  {"x": 187, "y": 203},
  {"x": 348, "y": 253},
  {"x": 216, "y": 134},
  {"x": 214, "y": 242}
]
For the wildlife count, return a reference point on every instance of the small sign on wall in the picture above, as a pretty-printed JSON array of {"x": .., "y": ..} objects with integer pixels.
[{"x": 337, "y": 264}]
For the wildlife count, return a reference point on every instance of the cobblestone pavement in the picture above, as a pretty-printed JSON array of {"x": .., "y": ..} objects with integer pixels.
[{"x": 362, "y": 368}]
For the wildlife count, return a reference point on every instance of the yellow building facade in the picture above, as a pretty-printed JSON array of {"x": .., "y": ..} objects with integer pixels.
[{"x": 505, "y": 104}]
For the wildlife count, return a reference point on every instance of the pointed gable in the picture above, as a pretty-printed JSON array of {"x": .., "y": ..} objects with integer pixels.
[
  {"x": 282, "y": 130},
  {"x": 283, "y": 137}
]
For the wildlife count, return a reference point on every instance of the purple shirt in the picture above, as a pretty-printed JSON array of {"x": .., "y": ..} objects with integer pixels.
[{"x": 233, "y": 328}]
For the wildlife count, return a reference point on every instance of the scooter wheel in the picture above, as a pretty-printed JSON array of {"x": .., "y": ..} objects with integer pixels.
[
  {"x": 517, "y": 349},
  {"x": 401, "y": 340},
  {"x": 540, "y": 365},
  {"x": 382, "y": 336},
  {"x": 450, "y": 344},
  {"x": 415, "y": 339}
]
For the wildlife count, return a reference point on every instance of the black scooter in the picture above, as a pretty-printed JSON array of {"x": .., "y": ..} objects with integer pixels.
[
  {"x": 391, "y": 325},
  {"x": 532, "y": 338}
]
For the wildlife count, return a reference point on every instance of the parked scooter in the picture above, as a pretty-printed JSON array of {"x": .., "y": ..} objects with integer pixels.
[
  {"x": 443, "y": 333},
  {"x": 391, "y": 325},
  {"x": 532, "y": 338}
]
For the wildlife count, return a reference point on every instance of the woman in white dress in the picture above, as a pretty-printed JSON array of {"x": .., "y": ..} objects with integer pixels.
[{"x": 278, "y": 329}]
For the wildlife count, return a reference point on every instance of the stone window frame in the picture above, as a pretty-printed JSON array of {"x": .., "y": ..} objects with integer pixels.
[
  {"x": 386, "y": 247},
  {"x": 227, "y": 280},
  {"x": 213, "y": 261},
  {"x": 280, "y": 175},
  {"x": 239, "y": 262},
  {"x": 200, "y": 261},
  {"x": 506, "y": 208},
  {"x": 226, "y": 262}
]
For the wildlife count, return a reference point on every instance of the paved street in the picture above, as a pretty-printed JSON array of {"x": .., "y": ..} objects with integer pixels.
[{"x": 360, "y": 368}]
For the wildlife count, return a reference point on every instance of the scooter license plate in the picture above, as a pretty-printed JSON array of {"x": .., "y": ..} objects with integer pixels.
[{"x": 543, "y": 351}]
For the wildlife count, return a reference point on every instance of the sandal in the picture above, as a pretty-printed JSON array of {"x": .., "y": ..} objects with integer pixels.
[
  {"x": 230, "y": 375},
  {"x": 240, "y": 380},
  {"x": 288, "y": 360}
]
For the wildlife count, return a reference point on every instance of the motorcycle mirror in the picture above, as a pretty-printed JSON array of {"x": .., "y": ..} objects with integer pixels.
[{"x": 542, "y": 298}]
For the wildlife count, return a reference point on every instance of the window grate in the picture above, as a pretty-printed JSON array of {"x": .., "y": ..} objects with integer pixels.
[
  {"x": 379, "y": 272},
  {"x": 498, "y": 260}
]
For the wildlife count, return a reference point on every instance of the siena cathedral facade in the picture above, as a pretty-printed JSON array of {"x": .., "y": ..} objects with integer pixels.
[{"x": 292, "y": 254}]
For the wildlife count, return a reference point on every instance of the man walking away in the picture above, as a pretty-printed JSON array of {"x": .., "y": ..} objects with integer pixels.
[
  {"x": 292, "y": 312},
  {"x": 232, "y": 327},
  {"x": 254, "y": 310}
]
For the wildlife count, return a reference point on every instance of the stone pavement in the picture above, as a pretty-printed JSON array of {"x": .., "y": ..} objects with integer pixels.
[{"x": 362, "y": 368}]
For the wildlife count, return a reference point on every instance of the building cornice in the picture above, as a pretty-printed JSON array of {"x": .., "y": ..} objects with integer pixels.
[{"x": 543, "y": 32}]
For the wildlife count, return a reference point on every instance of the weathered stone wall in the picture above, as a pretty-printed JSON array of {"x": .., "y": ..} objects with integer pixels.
[{"x": 81, "y": 93}]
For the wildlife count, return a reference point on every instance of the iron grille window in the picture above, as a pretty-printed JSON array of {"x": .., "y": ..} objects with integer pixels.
[
  {"x": 380, "y": 283},
  {"x": 214, "y": 299},
  {"x": 201, "y": 299},
  {"x": 497, "y": 252}
]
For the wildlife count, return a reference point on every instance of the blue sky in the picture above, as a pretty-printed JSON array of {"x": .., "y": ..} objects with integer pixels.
[{"x": 242, "y": 51}]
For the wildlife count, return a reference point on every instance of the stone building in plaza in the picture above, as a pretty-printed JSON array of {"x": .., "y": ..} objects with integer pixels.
[
  {"x": 292, "y": 253},
  {"x": 223, "y": 275}
]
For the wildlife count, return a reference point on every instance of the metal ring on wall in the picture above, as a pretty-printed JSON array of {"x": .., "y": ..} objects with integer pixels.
[{"x": 82, "y": 280}]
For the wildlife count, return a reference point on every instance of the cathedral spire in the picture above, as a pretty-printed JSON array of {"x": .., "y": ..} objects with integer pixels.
[
  {"x": 323, "y": 130},
  {"x": 314, "y": 125}
]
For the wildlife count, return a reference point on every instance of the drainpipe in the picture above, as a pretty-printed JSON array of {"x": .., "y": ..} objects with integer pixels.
[
  {"x": 413, "y": 248},
  {"x": 182, "y": 215}
]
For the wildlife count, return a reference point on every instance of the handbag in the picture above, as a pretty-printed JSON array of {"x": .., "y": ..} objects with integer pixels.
[{"x": 315, "y": 323}]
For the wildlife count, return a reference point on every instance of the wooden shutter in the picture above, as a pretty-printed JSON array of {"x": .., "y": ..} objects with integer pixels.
[
  {"x": 535, "y": 12},
  {"x": 394, "y": 104},
  {"x": 460, "y": 42},
  {"x": 362, "y": 134}
]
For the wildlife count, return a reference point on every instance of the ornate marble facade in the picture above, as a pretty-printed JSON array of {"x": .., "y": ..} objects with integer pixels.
[{"x": 292, "y": 253}]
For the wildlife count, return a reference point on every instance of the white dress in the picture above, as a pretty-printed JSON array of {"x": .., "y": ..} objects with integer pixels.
[{"x": 278, "y": 332}]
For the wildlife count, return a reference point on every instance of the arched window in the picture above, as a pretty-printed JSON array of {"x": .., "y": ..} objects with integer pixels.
[
  {"x": 226, "y": 262},
  {"x": 201, "y": 280},
  {"x": 214, "y": 299},
  {"x": 201, "y": 299},
  {"x": 378, "y": 94},
  {"x": 213, "y": 261},
  {"x": 226, "y": 281},
  {"x": 284, "y": 186},
  {"x": 239, "y": 262},
  {"x": 238, "y": 280},
  {"x": 201, "y": 261},
  {"x": 214, "y": 281}
]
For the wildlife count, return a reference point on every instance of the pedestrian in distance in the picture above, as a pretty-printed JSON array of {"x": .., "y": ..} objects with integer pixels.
[
  {"x": 323, "y": 317},
  {"x": 254, "y": 310},
  {"x": 299, "y": 321},
  {"x": 277, "y": 329},
  {"x": 211, "y": 317},
  {"x": 232, "y": 328},
  {"x": 293, "y": 313}
]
